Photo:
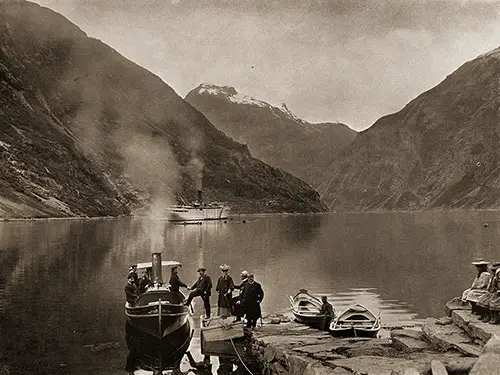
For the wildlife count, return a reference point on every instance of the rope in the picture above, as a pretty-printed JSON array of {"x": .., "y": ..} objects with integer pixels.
[{"x": 239, "y": 357}]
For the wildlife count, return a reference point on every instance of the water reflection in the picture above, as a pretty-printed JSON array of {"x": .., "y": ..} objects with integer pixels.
[{"x": 61, "y": 282}]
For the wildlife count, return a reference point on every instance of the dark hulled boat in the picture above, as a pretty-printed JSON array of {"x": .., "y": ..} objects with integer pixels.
[
  {"x": 306, "y": 308},
  {"x": 159, "y": 327}
]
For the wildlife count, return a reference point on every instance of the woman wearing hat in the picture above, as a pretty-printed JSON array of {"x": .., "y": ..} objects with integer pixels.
[
  {"x": 479, "y": 285},
  {"x": 225, "y": 287},
  {"x": 483, "y": 303}
]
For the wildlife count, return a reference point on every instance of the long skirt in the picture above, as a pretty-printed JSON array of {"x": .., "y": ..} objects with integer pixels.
[
  {"x": 472, "y": 295},
  {"x": 495, "y": 302},
  {"x": 485, "y": 299}
]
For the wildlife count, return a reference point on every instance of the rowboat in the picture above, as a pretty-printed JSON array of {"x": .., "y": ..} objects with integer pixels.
[
  {"x": 356, "y": 321},
  {"x": 221, "y": 337},
  {"x": 306, "y": 308},
  {"x": 159, "y": 327}
]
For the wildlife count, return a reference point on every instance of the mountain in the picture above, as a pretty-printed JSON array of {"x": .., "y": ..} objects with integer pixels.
[
  {"x": 273, "y": 134},
  {"x": 441, "y": 151},
  {"x": 86, "y": 132}
]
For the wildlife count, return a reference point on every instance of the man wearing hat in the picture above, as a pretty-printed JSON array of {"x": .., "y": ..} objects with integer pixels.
[
  {"x": 202, "y": 288},
  {"x": 224, "y": 288},
  {"x": 238, "y": 309},
  {"x": 479, "y": 285},
  {"x": 483, "y": 302},
  {"x": 133, "y": 271},
  {"x": 131, "y": 291},
  {"x": 252, "y": 297}
]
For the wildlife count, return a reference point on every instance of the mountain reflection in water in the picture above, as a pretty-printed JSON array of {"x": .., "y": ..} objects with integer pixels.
[{"x": 61, "y": 282}]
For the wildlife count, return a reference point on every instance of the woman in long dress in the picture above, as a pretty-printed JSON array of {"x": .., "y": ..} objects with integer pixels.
[
  {"x": 225, "y": 287},
  {"x": 479, "y": 285}
]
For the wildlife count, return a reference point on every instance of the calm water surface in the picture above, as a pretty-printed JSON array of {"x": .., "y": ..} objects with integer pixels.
[{"x": 61, "y": 282}]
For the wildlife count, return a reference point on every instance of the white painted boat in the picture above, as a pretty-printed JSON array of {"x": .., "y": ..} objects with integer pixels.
[
  {"x": 356, "y": 321},
  {"x": 198, "y": 211}
]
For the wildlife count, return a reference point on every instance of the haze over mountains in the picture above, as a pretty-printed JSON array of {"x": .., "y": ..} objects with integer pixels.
[
  {"x": 273, "y": 134},
  {"x": 440, "y": 151},
  {"x": 85, "y": 131}
]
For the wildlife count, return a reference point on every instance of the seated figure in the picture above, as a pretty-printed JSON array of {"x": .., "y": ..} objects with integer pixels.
[{"x": 479, "y": 285}]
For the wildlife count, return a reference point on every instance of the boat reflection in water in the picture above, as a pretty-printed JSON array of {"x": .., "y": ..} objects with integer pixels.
[{"x": 159, "y": 327}]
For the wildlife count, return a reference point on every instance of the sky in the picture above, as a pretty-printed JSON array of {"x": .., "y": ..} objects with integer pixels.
[{"x": 350, "y": 61}]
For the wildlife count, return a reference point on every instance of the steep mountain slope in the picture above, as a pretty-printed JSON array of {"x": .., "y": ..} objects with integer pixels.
[
  {"x": 440, "y": 151},
  {"x": 84, "y": 131},
  {"x": 274, "y": 135}
]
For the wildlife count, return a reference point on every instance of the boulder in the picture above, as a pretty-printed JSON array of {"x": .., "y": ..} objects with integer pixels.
[
  {"x": 408, "y": 340},
  {"x": 437, "y": 368},
  {"x": 474, "y": 327},
  {"x": 489, "y": 362},
  {"x": 455, "y": 304}
]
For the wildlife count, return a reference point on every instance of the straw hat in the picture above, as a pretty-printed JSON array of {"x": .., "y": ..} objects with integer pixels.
[
  {"x": 480, "y": 262},
  {"x": 225, "y": 267}
]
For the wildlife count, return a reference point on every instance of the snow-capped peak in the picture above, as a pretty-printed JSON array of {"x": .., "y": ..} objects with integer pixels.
[{"x": 230, "y": 94}]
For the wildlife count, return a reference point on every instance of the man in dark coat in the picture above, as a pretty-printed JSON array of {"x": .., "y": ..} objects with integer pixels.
[
  {"x": 131, "y": 291},
  {"x": 238, "y": 310},
  {"x": 253, "y": 295},
  {"x": 144, "y": 282},
  {"x": 133, "y": 271},
  {"x": 328, "y": 311},
  {"x": 175, "y": 281},
  {"x": 202, "y": 288},
  {"x": 224, "y": 288}
]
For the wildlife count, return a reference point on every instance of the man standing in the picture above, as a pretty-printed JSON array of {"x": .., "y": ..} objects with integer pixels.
[
  {"x": 238, "y": 309},
  {"x": 175, "y": 282},
  {"x": 224, "y": 288},
  {"x": 253, "y": 295},
  {"x": 131, "y": 291},
  {"x": 202, "y": 288},
  {"x": 133, "y": 271},
  {"x": 328, "y": 311},
  {"x": 144, "y": 282}
]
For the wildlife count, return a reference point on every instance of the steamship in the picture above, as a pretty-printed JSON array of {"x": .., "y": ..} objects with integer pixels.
[
  {"x": 159, "y": 327},
  {"x": 198, "y": 211}
]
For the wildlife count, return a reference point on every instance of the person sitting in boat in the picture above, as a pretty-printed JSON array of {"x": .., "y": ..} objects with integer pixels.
[
  {"x": 329, "y": 312},
  {"x": 133, "y": 271},
  {"x": 479, "y": 285},
  {"x": 238, "y": 309},
  {"x": 175, "y": 281},
  {"x": 202, "y": 288},
  {"x": 131, "y": 291},
  {"x": 144, "y": 282},
  {"x": 224, "y": 288},
  {"x": 253, "y": 295},
  {"x": 483, "y": 303}
]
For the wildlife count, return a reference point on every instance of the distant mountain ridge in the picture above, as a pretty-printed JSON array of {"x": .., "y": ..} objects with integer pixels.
[
  {"x": 273, "y": 134},
  {"x": 86, "y": 132},
  {"x": 440, "y": 151}
]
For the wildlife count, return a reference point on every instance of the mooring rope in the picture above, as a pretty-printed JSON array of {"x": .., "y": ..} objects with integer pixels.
[{"x": 239, "y": 357}]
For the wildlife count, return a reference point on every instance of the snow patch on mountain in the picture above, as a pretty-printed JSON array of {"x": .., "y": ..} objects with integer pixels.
[{"x": 230, "y": 94}]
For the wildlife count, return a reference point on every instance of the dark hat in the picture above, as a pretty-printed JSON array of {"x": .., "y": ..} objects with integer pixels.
[
  {"x": 495, "y": 265},
  {"x": 201, "y": 269}
]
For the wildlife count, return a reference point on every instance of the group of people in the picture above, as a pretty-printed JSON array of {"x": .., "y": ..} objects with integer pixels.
[
  {"x": 246, "y": 304},
  {"x": 484, "y": 293}
]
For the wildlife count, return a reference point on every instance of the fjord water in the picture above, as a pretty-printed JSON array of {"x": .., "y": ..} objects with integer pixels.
[{"x": 61, "y": 281}]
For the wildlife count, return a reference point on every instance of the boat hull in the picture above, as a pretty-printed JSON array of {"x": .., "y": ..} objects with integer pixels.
[
  {"x": 308, "y": 319},
  {"x": 152, "y": 352},
  {"x": 201, "y": 213},
  {"x": 158, "y": 330},
  {"x": 354, "y": 332},
  {"x": 306, "y": 308}
]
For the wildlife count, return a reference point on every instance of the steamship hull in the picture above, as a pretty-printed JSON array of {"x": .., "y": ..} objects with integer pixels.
[
  {"x": 159, "y": 327},
  {"x": 198, "y": 213}
]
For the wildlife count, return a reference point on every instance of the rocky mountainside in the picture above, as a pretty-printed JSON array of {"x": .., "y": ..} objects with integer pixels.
[
  {"x": 440, "y": 151},
  {"x": 86, "y": 132},
  {"x": 274, "y": 134}
]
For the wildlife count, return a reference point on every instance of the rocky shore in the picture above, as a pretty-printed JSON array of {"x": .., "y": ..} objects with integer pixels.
[{"x": 454, "y": 344}]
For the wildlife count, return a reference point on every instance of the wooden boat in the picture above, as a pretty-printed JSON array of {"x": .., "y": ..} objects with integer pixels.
[
  {"x": 222, "y": 337},
  {"x": 306, "y": 308},
  {"x": 159, "y": 328},
  {"x": 356, "y": 321}
]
